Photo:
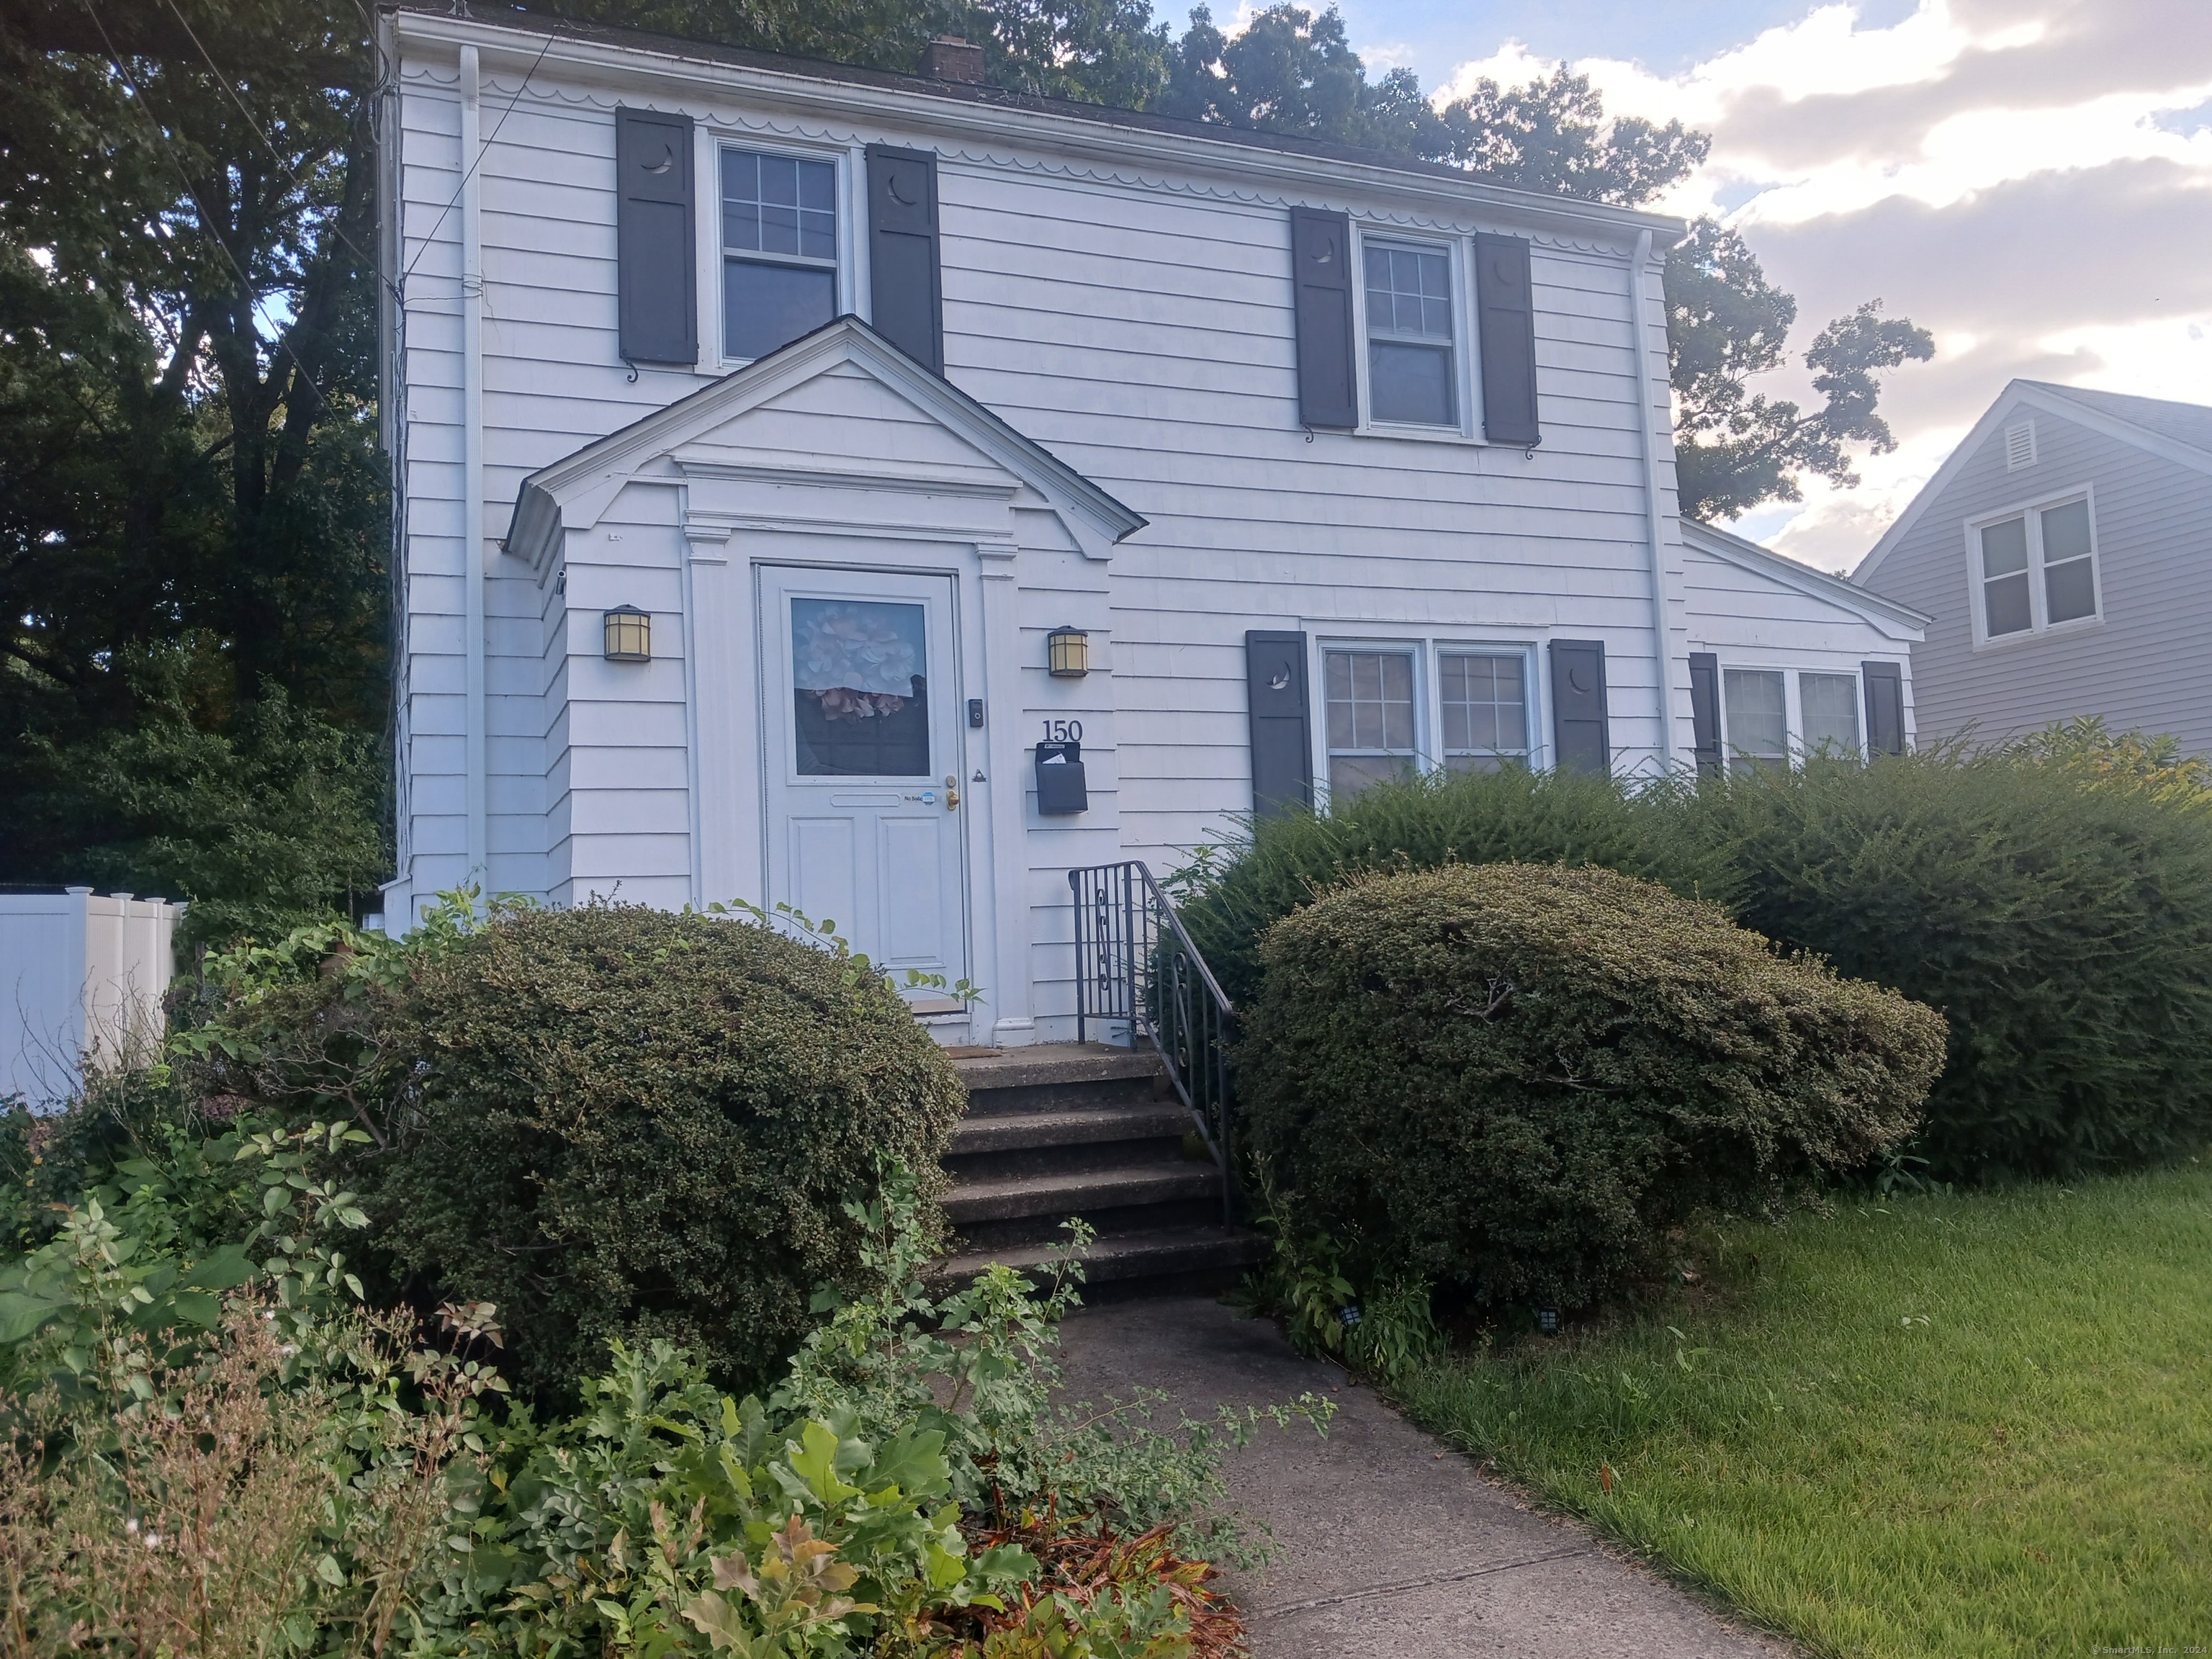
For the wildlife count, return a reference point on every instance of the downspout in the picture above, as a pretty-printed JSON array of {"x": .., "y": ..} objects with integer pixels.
[
  {"x": 1655, "y": 516},
  {"x": 474, "y": 745}
]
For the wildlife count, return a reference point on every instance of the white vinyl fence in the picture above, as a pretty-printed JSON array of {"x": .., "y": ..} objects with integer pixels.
[{"x": 81, "y": 976}]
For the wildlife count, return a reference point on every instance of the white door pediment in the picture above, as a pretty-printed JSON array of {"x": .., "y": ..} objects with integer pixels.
[{"x": 839, "y": 430}]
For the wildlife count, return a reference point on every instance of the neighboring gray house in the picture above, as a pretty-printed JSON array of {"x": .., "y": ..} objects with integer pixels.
[{"x": 2065, "y": 553}]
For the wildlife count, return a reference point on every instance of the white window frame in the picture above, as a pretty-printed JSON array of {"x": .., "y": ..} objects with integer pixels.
[
  {"x": 850, "y": 166},
  {"x": 2039, "y": 625},
  {"x": 1793, "y": 702},
  {"x": 1459, "y": 250},
  {"x": 1423, "y": 645}
]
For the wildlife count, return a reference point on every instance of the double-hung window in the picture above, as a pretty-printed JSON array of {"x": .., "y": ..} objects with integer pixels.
[
  {"x": 2035, "y": 569},
  {"x": 1370, "y": 718},
  {"x": 1412, "y": 372},
  {"x": 779, "y": 249},
  {"x": 1756, "y": 705},
  {"x": 1401, "y": 708},
  {"x": 1766, "y": 725},
  {"x": 1483, "y": 697},
  {"x": 1830, "y": 705}
]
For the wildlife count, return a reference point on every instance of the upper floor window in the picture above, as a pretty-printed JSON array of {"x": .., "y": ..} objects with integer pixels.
[
  {"x": 2035, "y": 569},
  {"x": 1485, "y": 702},
  {"x": 779, "y": 249},
  {"x": 1412, "y": 373}
]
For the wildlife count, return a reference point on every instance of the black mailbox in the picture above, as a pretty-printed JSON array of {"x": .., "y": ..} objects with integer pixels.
[{"x": 1060, "y": 787}]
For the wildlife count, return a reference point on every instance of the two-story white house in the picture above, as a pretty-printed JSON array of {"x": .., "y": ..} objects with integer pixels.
[{"x": 882, "y": 494}]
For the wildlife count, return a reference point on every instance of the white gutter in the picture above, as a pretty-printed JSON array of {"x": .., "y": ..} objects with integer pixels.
[
  {"x": 1653, "y": 514},
  {"x": 472, "y": 488}
]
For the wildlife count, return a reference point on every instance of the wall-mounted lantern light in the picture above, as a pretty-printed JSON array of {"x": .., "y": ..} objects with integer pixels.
[
  {"x": 1070, "y": 652},
  {"x": 627, "y": 634}
]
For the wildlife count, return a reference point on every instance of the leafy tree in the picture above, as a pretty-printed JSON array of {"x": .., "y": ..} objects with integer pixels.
[
  {"x": 1294, "y": 72},
  {"x": 1733, "y": 448},
  {"x": 191, "y": 508}
]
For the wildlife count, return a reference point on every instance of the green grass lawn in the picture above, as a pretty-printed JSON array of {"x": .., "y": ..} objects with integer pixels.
[{"x": 1936, "y": 1425}]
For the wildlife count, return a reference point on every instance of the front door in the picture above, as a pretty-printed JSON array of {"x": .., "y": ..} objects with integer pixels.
[{"x": 862, "y": 763}]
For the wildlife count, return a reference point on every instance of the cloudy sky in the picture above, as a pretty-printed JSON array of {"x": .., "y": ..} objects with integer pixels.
[{"x": 2030, "y": 180}]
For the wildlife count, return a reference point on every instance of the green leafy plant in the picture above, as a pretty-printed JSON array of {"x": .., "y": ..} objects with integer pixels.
[
  {"x": 1510, "y": 1080},
  {"x": 1228, "y": 896},
  {"x": 2055, "y": 902},
  {"x": 854, "y": 964}
]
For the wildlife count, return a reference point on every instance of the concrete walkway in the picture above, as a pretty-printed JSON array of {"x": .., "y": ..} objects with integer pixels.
[{"x": 1383, "y": 1547}]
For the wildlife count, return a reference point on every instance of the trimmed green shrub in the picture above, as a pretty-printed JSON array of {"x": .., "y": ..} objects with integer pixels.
[
  {"x": 2059, "y": 914},
  {"x": 630, "y": 1123},
  {"x": 1513, "y": 1079},
  {"x": 1236, "y": 893}
]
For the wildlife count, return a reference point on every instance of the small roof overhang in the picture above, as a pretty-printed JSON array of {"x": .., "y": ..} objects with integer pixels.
[
  {"x": 1898, "y": 621},
  {"x": 576, "y": 489}
]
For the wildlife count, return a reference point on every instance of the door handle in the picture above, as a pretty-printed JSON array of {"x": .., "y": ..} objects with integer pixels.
[{"x": 952, "y": 792}]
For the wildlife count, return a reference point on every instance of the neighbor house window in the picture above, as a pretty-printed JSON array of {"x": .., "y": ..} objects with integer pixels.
[
  {"x": 1483, "y": 697},
  {"x": 1756, "y": 707},
  {"x": 1411, "y": 371},
  {"x": 2008, "y": 605},
  {"x": 1370, "y": 718},
  {"x": 1830, "y": 705},
  {"x": 779, "y": 250},
  {"x": 2037, "y": 569}
]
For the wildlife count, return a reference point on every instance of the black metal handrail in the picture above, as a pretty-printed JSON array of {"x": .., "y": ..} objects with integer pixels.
[{"x": 1134, "y": 962}]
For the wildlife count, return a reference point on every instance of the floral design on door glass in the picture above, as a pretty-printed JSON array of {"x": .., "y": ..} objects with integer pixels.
[{"x": 859, "y": 688}]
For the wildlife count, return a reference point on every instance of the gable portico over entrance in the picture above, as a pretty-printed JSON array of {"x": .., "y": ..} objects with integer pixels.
[{"x": 834, "y": 502}]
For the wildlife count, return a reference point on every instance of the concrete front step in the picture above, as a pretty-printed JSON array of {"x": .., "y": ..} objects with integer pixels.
[
  {"x": 1062, "y": 1075},
  {"x": 1083, "y": 1193},
  {"x": 1082, "y": 1129},
  {"x": 1161, "y": 1252},
  {"x": 1079, "y": 1126}
]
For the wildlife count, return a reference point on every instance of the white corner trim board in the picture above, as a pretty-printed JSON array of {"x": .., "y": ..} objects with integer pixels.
[
  {"x": 1655, "y": 517},
  {"x": 472, "y": 464}
]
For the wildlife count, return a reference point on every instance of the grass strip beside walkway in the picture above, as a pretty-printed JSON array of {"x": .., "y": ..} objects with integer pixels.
[{"x": 1970, "y": 1425}]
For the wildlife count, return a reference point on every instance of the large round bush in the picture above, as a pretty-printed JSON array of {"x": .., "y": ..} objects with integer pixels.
[
  {"x": 1512, "y": 1078},
  {"x": 629, "y": 1123},
  {"x": 1420, "y": 823},
  {"x": 2062, "y": 922}
]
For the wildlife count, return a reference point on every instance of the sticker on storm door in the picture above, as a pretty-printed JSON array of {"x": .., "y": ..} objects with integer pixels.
[{"x": 859, "y": 672}]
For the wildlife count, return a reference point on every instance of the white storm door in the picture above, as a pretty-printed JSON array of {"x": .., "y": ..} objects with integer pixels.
[{"x": 861, "y": 761}]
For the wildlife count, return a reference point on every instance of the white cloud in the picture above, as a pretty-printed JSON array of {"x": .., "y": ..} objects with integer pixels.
[{"x": 1826, "y": 133}]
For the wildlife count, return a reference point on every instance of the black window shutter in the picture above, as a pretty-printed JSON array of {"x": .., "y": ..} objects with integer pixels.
[
  {"x": 657, "y": 302},
  {"x": 1321, "y": 271},
  {"x": 904, "y": 287},
  {"x": 1706, "y": 710},
  {"x": 1885, "y": 702},
  {"x": 1505, "y": 310},
  {"x": 1581, "y": 737},
  {"x": 1282, "y": 742}
]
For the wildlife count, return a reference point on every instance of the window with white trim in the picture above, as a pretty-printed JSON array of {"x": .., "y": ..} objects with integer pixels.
[
  {"x": 1483, "y": 697},
  {"x": 1369, "y": 697},
  {"x": 2035, "y": 569},
  {"x": 1777, "y": 717},
  {"x": 1754, "y": 703},
  {"x": 1829, "y": 713},
  {"x": 1413, "y": 364},
  {"x": 779, "y": 249}
]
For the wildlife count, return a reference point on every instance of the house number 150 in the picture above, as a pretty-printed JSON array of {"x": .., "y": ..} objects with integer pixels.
[{"x": 1063, "y": 731}]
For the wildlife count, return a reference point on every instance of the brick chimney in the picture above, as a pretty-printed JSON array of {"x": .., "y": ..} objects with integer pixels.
[{"x": 951, "y": 59}]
